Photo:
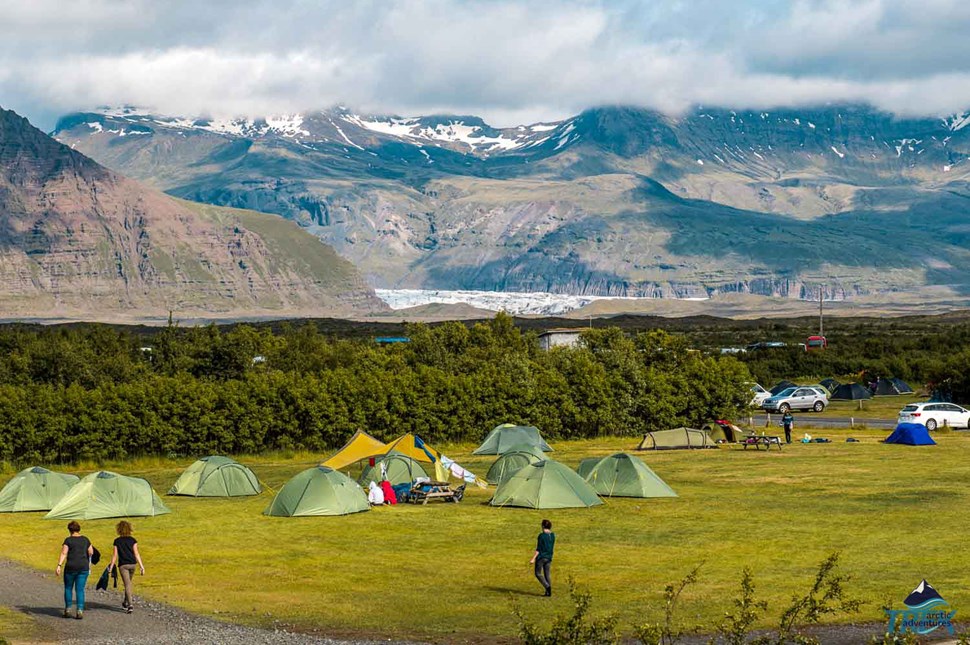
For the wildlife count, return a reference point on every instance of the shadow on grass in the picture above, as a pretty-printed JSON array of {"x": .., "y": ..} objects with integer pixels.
[{"x": 514, "y": 592}]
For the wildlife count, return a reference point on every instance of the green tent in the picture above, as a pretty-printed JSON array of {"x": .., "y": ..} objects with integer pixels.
[
  {"x": 676, "y": 438},
  {"x": 216, "y": 477},
  {"x": 509, "y": 462},
  {"x": 505, "y": 437},
  {"x": 623, "y": 475},
  {"x": 398, "y": 469},
  {"x": 545, "y": 484},
  {"x": 318, "y": 491},
  {"x": 34, "y": 489},
  {"x": 106, "y": 494}
]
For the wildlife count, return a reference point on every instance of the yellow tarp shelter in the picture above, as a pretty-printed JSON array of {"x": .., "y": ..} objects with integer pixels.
[
  {"x": 361, "y": 446},
  {"x": 405, "y": 445}
]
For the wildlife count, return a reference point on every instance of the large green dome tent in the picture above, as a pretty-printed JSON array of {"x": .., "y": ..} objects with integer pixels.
[
  {"x": 545, "y": 484},
  {"x": 35, "y": 489},
  {"x": 505, "y": 437},
  {"x": 216, "y": 477},
  {"x": 397, "y": 469},
  {"x": 509, "y": 462},
  {"x": 318, "y": 491},
  {"x": 105, "y": 494},
  {"x": 623, "y": 475}
]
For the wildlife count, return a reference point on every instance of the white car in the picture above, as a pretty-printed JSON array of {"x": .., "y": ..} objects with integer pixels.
[
  {"x": 758, "y": 395},
  {"x": 933, "y": 415}
]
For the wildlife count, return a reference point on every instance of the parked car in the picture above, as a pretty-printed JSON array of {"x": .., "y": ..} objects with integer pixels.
[
  {"x": 933, "y": 415},
  {"x": 796, "y": 398},
  {"x": 758, "y": 395}
]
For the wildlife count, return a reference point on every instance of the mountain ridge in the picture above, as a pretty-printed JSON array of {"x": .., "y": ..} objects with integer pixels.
[
  {"x": 805, "y": 199},
  {"x": 79, "y": 240}
]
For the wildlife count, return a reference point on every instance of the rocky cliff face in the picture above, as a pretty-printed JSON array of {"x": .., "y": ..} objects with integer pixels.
[
  {"x": 78, "y": 240},
  {"x": 615, "y": 201}
]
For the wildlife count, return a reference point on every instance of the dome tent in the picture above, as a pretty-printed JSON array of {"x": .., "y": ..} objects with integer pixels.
[
  {"x": 623, "y": 475},
  {"x": 506, "y": 436},
  {"x": 509, "y": 462},
  {"x": 105, "y": 494},
  {"x": 781, "y": 386},
  {"x": 35, "y": 489},
  {"x": 318, "y": 491},
  {"x": 910, "y": 434},
  {"x": 398, "y": 469},
  {"x": 216, "y": 477},
  {"x": 545, "y": 484},
  {"x": 850, "y": 392}
]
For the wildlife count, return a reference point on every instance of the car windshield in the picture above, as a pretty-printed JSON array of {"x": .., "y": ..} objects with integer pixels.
[
  {"x": 787, "y": 392},
  {"x": 758, "y": 389},
  {"x": 911, "y": 408}
]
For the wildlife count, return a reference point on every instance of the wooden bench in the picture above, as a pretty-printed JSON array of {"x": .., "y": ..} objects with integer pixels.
[{"x": 424, "y": 492}]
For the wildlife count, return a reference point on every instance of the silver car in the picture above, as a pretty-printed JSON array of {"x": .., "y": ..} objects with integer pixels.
[{"x": 796, "y": 398}]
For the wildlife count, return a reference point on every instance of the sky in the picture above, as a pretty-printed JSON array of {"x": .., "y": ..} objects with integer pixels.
[{"x": 510, "y": 61}]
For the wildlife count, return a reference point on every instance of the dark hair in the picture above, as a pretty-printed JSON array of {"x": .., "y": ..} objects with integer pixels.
[
  {"x": 124, "y": 528},
  {"x": 546, "y": 524},
  {"x": 73, "y": 527}
]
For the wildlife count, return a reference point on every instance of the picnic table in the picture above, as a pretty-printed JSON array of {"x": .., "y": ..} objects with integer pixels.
[
  {"x": 423, "y": 492},
  {"x": 761, "y": 440}
]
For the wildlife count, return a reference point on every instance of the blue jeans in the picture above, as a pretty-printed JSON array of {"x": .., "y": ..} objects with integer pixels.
[{"x": 75, "y": 580}]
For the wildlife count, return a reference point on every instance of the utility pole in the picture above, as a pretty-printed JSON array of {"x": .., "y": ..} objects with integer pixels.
[{"x": 820, "y": 330}]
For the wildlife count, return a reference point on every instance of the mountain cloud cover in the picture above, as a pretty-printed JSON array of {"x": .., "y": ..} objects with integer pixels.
[{"x": 511, "y": 61}]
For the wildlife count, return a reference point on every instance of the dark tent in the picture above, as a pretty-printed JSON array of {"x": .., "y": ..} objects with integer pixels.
[
  {"x": 885, "y": 387},
  {"x": 722, "y": 431},
  {"x": 911, "y": 434},
  {"x": 901, "y": 385},
  {"x": 850, "y": 392},
  {"x": 781, "y": 386},
  {"x": 829, "y": 384}
]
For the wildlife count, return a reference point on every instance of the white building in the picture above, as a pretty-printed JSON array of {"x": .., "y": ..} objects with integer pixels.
[{"x": 559, "y": 338}]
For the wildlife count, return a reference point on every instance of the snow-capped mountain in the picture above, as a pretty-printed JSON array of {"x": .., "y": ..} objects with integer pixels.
[
  {"x": 617, "y": 201},
  {"x": 921, "y": 595}
]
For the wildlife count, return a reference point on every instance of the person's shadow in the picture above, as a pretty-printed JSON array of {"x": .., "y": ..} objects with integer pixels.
[
  {"x": 514, "y": 592},
  {"x": 55, "y": 612}
]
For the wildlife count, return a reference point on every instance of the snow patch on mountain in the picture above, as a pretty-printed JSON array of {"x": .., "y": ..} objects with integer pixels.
[
  {"x": 514, "y": 302},
  {"x": 957, "y": 121},
  {"x": 452, "y": 132}
]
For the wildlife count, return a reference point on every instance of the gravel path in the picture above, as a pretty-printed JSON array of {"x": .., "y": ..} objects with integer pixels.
[{"x": 40, "y": 596}]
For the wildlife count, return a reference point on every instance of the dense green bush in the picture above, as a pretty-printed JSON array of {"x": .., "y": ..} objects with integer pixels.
[{"x": 97, "y": 393}]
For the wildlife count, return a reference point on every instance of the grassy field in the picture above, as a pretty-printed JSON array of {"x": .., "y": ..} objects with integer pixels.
[{"x": 446, "y": 571}]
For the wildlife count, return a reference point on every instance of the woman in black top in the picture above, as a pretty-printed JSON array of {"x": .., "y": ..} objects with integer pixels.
[
  {"x": 76, "y": 553},
  {"x": 126, "y": 556}
]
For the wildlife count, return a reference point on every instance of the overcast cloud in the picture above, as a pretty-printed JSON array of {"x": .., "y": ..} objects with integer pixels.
[{"x": 508, "y": 60}]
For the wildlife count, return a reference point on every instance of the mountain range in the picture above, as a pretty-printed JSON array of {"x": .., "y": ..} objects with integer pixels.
[
  {"x": 615, "y": 201},
  {"x": 78, "y": 240}
]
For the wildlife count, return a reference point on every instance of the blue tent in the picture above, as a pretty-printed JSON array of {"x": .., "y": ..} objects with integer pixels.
[{"x": 911, "y": 434}]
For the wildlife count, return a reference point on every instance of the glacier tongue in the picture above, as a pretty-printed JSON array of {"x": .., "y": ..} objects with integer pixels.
[{"x": 513, "y": 302}]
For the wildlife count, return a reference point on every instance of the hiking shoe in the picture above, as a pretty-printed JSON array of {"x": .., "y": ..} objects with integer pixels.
[
  {"x": 67, "y": 614},
  {"x": 124, "y": 604},
  {"x": 548, "y": 591},
  {"x": 79, "y": 615},
  {"x": 128, "y": 609}
]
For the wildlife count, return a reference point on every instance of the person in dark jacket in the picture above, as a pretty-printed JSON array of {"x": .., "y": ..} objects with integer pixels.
[
  {"x": 75, "y": 558},
  {"x": 788, "y": 422},
  {"x": 542, "y": 559},
  {"x": 126, "y": 556}
]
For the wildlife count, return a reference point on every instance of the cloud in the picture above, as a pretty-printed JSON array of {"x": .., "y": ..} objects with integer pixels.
[{"x": 509, "y": 60}]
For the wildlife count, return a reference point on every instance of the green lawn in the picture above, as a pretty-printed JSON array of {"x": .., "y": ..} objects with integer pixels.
[{"x": 897, "y": 514}]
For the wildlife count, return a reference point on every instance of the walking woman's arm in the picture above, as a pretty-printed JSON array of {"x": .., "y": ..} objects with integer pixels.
[
  {"x": 140, "y": 563},
  {"x": 60, "y": 561},
  {"x": 114, "y": 558}
]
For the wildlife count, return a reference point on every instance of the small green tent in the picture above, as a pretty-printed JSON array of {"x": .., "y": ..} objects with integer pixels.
[
  {"x": 35, "y": 489},
  {"x": 318, "y": 491},
  {"x": 545, "y": 484},
  {"x": 505, "y": 437},
  {"x": 509, "y": 462},
  {"x": 623, "y": 475},
  {"x": 105, "y": 494},
  {"x": 397, "y": 469},
  {"x": 676, "y": 438},
  {"x": 216, "y": 477}
]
